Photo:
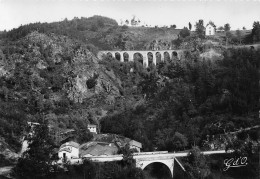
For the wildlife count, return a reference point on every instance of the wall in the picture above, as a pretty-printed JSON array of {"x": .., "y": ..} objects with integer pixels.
[
  {"x": 209, "y": 29},
  {"x": 72, "y": 152}
]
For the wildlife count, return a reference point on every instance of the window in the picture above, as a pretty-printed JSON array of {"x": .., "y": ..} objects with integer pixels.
[{"x": 209, "y": 32}]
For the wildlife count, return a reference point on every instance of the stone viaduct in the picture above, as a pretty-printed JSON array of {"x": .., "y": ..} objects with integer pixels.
[
  {"x": 145, "y": 57},
  {"x": 143, "y": 159}
]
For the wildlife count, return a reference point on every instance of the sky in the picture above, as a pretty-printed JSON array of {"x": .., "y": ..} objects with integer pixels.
[{"x": 238, "y": 13}]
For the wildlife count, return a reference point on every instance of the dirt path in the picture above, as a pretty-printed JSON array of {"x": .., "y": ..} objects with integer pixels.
[
  {"x": 5, "y": 170},
  {"x": 243, "y": 46}
]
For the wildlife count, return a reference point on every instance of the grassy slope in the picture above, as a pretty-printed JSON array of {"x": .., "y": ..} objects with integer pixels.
[{"x": 149, "y": 34}]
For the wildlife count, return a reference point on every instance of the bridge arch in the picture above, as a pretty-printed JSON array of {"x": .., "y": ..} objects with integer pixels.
[
  {"x": 126, "y": 57},
  {"x": 174, "y": 54},
  {"x": 145, "y": 57},
  {"x": 158, "y": 57},
  {"x": 139, "y": 57},
  {"x": 144, "y": 163},
  {"x": 150, "y": 58},
  {"x": 117, "y": 56},
  {"x": 109, "y": 54},
  {"x": 166, "y": 56},
  {"x": 158, "y": 170}
]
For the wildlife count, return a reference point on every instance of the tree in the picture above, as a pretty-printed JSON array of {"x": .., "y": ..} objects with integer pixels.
[
  {"x": 227, "y": 27},
  {"x": 138, "y": 22},
  {"x": 36, "y": 161},
  {"x": 167, "y": 139},
  {"x": 133, "y": 21},
  {"x": 244, "y": 28},
  {"x": 128, "y": 159},
  {"x": 200, "y": 28},
  {"x": 184, "y": 32},
  {"x": 94, "y": 27},
  {"x": 173, "y": 26},
  {"x": 126, "y": 22},
  {"x": 179, "y": 141},
  {"x": 221, "y": 28},
  {"x": 84, "y": 135},
  {"x": 228, "y": 34},
  {"x": 149, "y": 85},
  {"x": 239, "y": 37},
  {"x": 196, "y": 165},
  {"x": 177, "y": 42},
  {"x": 121, "y": 22},
  {"x": 100, "y": 23},
  {"x": 91, "y": 82},
  {"x": 256, "y": 32},
  {"x": 190, "y": 26}
]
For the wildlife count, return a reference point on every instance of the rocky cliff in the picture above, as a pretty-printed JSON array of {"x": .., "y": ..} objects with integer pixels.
[{"x": 54, "y": 76}]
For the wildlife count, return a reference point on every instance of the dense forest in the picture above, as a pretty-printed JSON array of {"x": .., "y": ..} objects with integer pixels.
[{"x": 186, "y": 100}]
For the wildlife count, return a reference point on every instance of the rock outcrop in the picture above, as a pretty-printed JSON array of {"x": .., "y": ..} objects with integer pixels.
[{"x": 56, "y": 76}]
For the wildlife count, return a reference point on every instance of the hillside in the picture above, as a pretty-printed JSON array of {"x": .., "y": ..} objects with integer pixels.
[
  {"x": 103, "y": 33},
  {"x": 53, "y": 74},
  {"x": 147, "y": 38},
  {"x": 100, "y": 33}
]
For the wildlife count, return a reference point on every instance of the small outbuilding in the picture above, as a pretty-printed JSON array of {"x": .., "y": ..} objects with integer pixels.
[
  {"x": 69, "y": 150},
  {"x": 92, "y": 128}
]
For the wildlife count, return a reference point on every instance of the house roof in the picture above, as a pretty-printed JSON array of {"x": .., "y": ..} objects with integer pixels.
[
  {"x": 97, "y": 149},
  {"x": 92, "y": 125},
  {"x": 65, "y": 149},
  {"x": 33, "y": 123},
  {"x": 213, "y": 25},
  {"x": 71, "y": 143},
  {"x": 135, "y": 143},
  {"x": 67, "y": 131}
]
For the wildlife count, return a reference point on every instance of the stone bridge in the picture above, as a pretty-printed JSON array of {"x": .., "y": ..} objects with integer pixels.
[
  {"x": 145, "y": 57},
  {"x": 143, "y": 159}
]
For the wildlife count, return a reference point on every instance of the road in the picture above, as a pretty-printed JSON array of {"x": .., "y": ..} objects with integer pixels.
[{"x": 4, "y": 171}]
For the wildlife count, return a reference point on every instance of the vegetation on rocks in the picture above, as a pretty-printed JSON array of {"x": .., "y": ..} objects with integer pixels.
[
  {"x": 50, "y": 75},
  {"x": 191, "y": 98}
]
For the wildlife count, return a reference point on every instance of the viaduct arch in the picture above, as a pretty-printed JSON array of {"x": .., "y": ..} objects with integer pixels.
[
  {"x": 169, "y": 162},
  {"x": 148, "y": 56}
]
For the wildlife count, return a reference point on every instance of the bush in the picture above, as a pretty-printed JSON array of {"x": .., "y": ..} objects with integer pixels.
[
  {"x": 91, "y": 83},
  {"x": 184, "y": 32},
  {"x": 196, "y": 165},
  {"x": 92, "y": 170}
]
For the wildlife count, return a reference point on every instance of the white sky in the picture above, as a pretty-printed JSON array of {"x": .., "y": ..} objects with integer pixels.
[{"x": 237, "y": 13}]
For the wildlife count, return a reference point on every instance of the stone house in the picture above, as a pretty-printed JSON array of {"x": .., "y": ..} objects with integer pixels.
[
  {"x": 68, "y": 151},
  {"x": 92, "y": 128},
  {"x": 210, "y": 29}
]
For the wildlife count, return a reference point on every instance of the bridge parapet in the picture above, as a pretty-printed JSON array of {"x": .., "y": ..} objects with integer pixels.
[
  {"x": 107, "y": 158},
  {"x": 150, "y": 153}
]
